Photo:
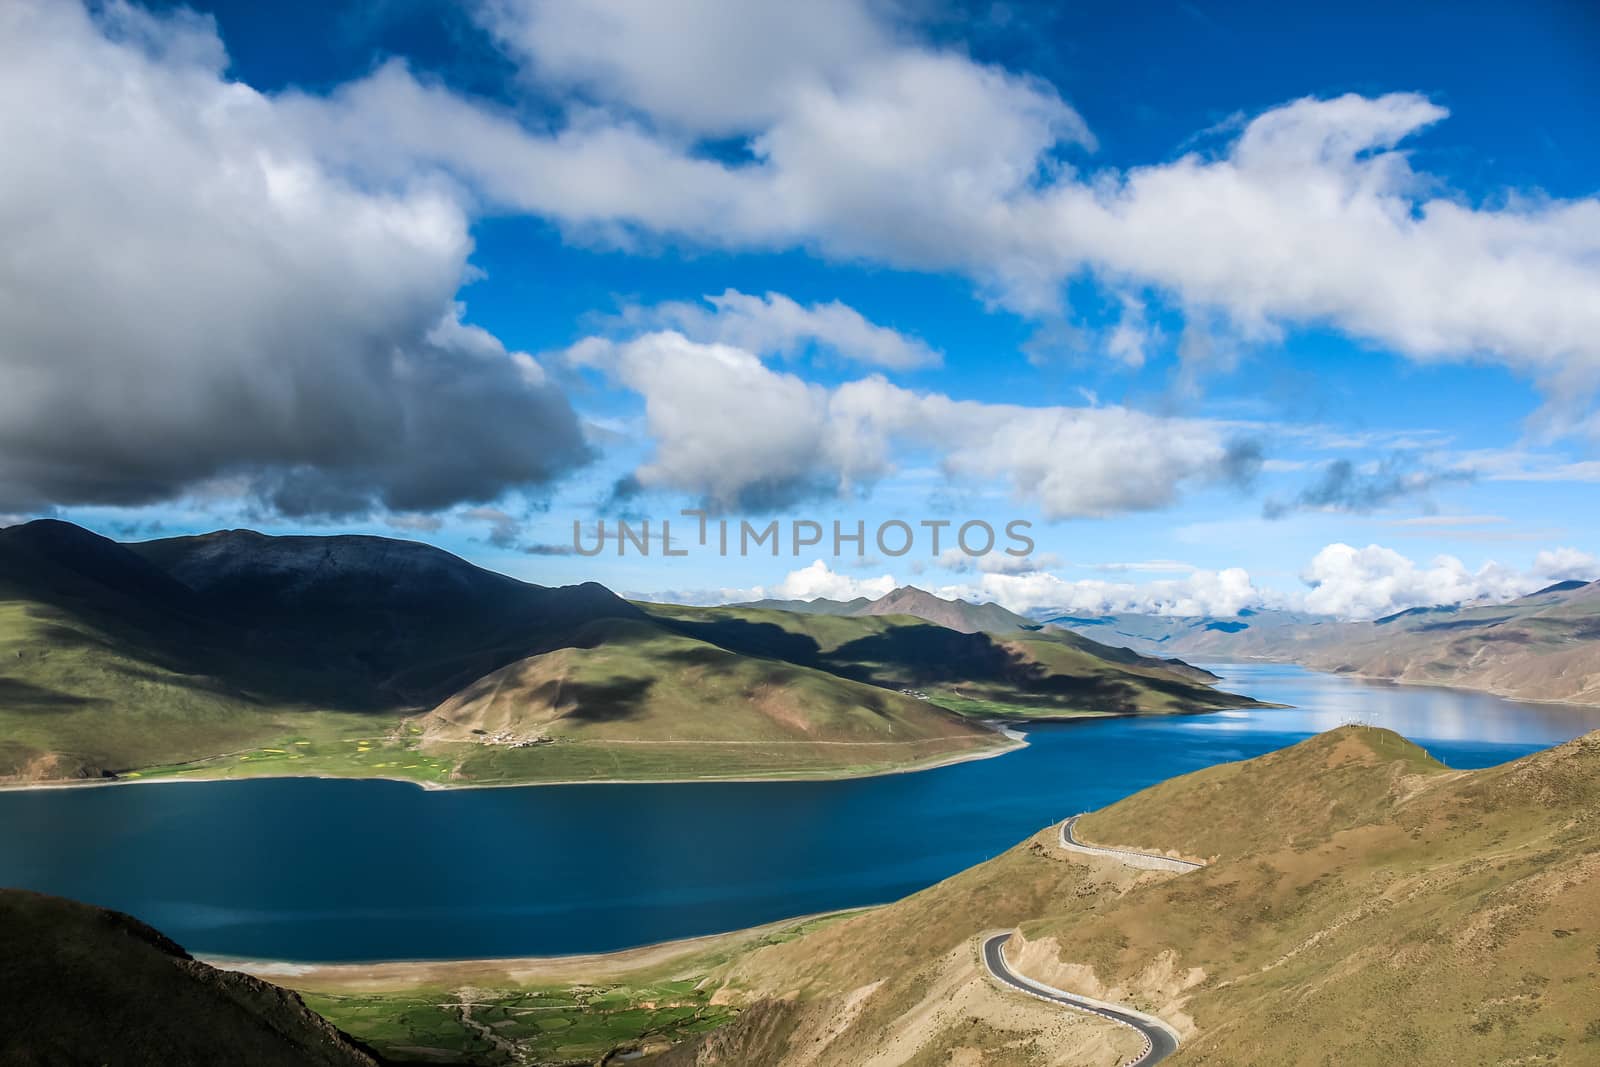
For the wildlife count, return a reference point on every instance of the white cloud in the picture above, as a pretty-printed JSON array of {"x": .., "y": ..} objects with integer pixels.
[
  {"x": 1364, "y": 583},
  {"x": 864, "y": 145},
  {"x": 1132, "y": 335},
  {"x": 191, "y": 298},
  {"x": 1343, "y": 581},
  {"x": 1203, "y": 592},
  {"x": 287, "y": 264},
  {"x": 730, "y": 429},
  {"x": 1312, "y": 215},
  {"x": 1566, "y": 564},
  {"x": 817, "y": 579},
  {"x": 863, "y": 142},
  {"x": 776, "y": 324},
  {"x": 702, "y": 66}
]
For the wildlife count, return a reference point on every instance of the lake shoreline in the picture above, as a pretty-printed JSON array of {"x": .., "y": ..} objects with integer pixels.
[
  {"x": 1014, "y": 740},
  {"x": 1007, "y": 727},
  {"x": 1378, "y": 679},
  {"x": 325, "y": 973},
  {"x": 266, "y": 873}
]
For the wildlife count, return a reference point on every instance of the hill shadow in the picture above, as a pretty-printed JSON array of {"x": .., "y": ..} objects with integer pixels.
[
  {"x": 17, "y": 695},
  {"x": 615, "y": 700},
  {"x": 918, "y": 656},
  {"x": 765, "y": 639}
]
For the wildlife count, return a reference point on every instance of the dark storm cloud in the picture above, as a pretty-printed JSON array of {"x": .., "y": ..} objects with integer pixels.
[{"x": 191, "y": 302}]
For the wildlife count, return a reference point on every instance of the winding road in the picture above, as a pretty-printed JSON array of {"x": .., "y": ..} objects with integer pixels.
[{"x": 1160, "y": 1040}]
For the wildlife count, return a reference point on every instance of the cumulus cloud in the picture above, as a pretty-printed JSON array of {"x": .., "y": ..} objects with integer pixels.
[
  {"x": 1203, "y": 592},
  {"x": 1364, "y": 583},
  {"x": 1341, "y": 581},
  {"x": 865, "y": 146},
  {"x": 189, "y": 295},
  {"x": 700, "y": 66},
  {"x": 861, "y": 141},
  {"x": 272, "y": 278},
  {"x": 818, "y": 580},
  {"x": 775, "y": 324},
  {"x": 742, "y": 435},
  {"x": 1039, "y": 592},
  {"x": 1566, "y": 564}
]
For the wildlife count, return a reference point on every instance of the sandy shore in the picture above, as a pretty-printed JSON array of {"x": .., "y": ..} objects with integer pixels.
[{"x": 394, "y": 975}]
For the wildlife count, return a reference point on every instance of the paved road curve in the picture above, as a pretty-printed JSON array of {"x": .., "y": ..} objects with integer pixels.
[
  {"x": 1142, "y": 860},
  {"x": 1160, "y": 1041}
]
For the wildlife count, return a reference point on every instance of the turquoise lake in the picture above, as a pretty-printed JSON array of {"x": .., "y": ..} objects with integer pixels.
[{"x": 310, "y": 869}]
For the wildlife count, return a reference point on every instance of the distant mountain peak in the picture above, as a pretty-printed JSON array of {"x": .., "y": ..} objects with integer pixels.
[
  {"x": 963, "y": 615},
  {"x": 1562, "y": 587},
  {"x": 911, "y": 592}
]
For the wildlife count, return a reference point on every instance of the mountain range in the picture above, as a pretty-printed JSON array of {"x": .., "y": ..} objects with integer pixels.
[
  {"x": 235, "y": 653},
  {"x": 963, "y": 615},
  {"x": 1543, "y": 646}
]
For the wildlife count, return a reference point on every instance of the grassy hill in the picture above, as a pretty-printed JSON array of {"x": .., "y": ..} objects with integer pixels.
[
  {"x": 1545, "y": 646},
  {"x": 107, "y": 662},
  {"x": 1023, "y": 675},
  {"x": 378, "y": 622},
  {"x": 636, "y": 699},
  {"x": 88, "y": 986},
  {"x": 239, "y": 654},
  {"x": 1363, "y": 905},
  {"x": 1397, "y": 913}
]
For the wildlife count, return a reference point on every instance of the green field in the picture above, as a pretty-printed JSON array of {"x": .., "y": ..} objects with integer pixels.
[
  {"x": 490, "y": 1027},
  {"x": 547, "y": 1012},
  {"x": 466, "y": 764}
]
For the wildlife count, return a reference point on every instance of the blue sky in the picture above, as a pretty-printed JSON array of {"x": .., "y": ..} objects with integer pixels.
[{"x": 1203, "y": 292}]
